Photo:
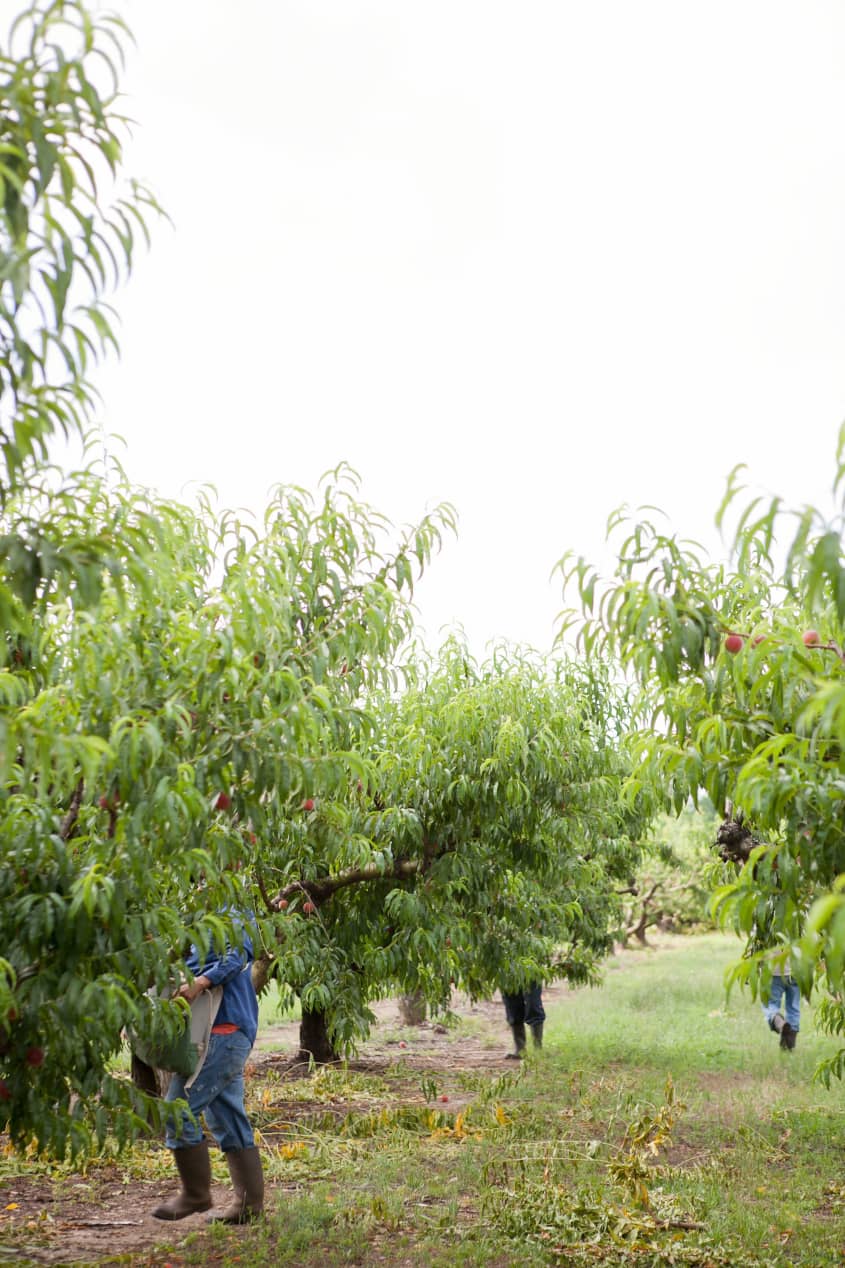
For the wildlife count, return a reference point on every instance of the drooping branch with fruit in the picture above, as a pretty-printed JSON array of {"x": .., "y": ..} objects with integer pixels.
[{"x": 741, "y": 675}]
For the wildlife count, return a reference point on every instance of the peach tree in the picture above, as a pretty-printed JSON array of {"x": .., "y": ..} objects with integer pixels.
[
  {"x": 741, "y": 672},
  {"x": 155, "y": 748},
  {"x": 485, "y": 845}
]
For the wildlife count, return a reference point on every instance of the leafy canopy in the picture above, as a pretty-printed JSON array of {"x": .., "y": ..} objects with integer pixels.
[
  {"x": 741, "y": 671},
  {"x": 68, "y": 236}
]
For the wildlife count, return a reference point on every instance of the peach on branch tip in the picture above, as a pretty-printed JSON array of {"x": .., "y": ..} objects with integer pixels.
[
  {"x": 733, "y": 643},
  {"x": 811, "y": 638}
]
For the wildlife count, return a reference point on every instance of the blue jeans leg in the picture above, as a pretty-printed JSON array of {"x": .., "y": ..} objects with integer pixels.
[
  {"x": 514, "y": 1008},
  {"x": 535, "y": 1014},
  {"x": 793, "y": 1002},
  {"x": 784, "y": 987},
  {"x": 218, "y": 1094},
  {"x": 525, "y": 1006}
]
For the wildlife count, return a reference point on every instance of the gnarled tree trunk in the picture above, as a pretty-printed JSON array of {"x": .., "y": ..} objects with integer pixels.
[
  {"x": 412, "y": 1009},
  {"x": 314, "y": 1039}
]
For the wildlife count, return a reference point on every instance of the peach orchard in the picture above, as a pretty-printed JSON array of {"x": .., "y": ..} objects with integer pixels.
[{"x": 200, "y": 713}]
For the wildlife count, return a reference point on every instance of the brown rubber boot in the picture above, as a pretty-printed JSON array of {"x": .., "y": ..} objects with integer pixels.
[
  {"x": 787, "y": 1037},
  {"x": 194, "y": 1167},
  {"x": 248, "y": 1182},
  {"x": 518, "y": 1032}
]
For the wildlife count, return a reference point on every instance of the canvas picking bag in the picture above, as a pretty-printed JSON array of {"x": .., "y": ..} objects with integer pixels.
[{"x": 184, "y": 1054}]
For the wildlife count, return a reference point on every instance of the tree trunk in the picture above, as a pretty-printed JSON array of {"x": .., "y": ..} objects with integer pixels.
[
  {"x": 261, "y": 972},
  {"x": 314, "y": 1039},
  {"x": 412, "y": 1009}
]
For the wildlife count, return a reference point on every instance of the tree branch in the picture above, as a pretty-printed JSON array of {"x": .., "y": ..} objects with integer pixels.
[
  {"x": 319, "y": 891},
  {"x": 69, "y": 821},
  {"x": 268, "y": 901}
]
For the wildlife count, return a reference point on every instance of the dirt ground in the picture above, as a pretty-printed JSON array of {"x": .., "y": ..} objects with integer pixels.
[{"x": 87, "y": 1218}]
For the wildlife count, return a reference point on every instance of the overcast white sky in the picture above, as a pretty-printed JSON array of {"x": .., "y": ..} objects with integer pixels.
[{"x": 536, "y": 259}]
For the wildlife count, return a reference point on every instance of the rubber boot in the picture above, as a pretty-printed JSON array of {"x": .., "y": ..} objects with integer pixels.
[
  {"x": 194, "y": 1167},
  {"x": 537, "y": 1034},
  {"x": 777, "y": 1023},
  {"x": 518, "y": 1032},
  {"x": 248, "y": 1182},
  {"x": 788, "y": 1035}
]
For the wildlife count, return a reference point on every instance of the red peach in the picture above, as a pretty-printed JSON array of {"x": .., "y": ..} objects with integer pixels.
[
  {"x": 222, "y": 801},
  {"x": 733, "y": 643},
  {"x": 308, "y": 803},
  {"x": 811, "y": 638},
  {"x": 35, "y": 1056}
]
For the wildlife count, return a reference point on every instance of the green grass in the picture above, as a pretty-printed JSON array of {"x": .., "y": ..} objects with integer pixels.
[
  {"x": 661, "y": 1125},
  {"x": 269, "y": 1013}
]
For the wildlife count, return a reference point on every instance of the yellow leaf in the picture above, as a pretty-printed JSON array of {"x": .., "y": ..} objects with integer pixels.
[{"x": 13, "y": 1206}]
